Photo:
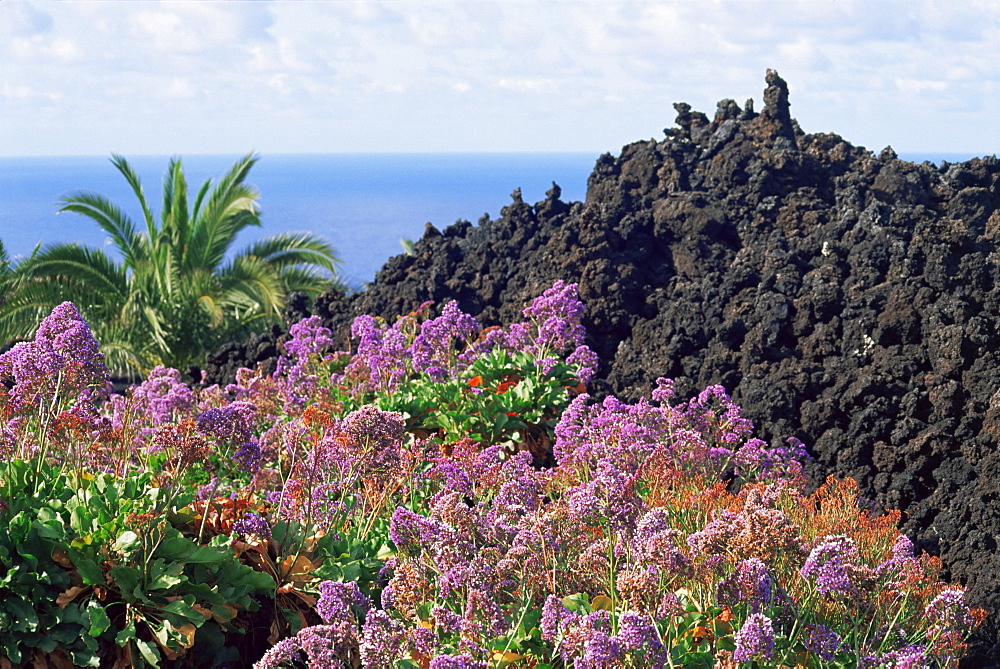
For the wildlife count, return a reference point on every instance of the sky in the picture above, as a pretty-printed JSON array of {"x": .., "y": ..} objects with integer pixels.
[{"x": 79, "y": 77}]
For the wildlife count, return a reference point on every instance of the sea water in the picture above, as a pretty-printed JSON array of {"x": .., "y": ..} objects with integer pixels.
[{"x": 363, "y": 204}]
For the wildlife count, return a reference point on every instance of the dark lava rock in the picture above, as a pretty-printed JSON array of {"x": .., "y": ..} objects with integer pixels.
[{"x": 843, "y": 298}]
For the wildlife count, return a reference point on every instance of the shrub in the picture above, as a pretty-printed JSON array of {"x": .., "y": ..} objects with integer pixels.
[{"x": 440, "y": 496}]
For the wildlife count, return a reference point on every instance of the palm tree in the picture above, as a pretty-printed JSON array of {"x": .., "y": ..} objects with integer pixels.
[{"x": 173, "y": 296}]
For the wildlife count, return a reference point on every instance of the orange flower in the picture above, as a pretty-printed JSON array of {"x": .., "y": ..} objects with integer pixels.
[
  {"x": 476, "y": 381},
  {"x": 313, "y": 416}
]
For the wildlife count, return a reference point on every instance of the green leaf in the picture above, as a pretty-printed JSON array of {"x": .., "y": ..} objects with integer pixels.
[
  {"x": 84, "y": 658},
  {"x": 127, "y": 542},
  {"x": 149, "y": 651},
  {"x": 126, "y": 634},
  {"x": 352, "y": 571},
  {"x": 125, "y": 578},
  {"x": 99, "y": 621},
  {"x": 90, "y": 572},
  {"x": 176, "y": 546},
  {"x": 81, "y": 542},
  {"x": 25, "y": 618},
  {"x": 165, "y": 577},
  {"x": 223, "y": 613},
  {"x": 180, "y": 613}
]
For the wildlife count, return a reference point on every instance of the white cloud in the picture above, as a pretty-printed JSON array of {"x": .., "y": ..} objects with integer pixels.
[
  {"x": 180, "y": 88},
  {"x": 510, "y": 75},
  {"x": 19, "y": 18},
  {"x": 526, "y": 85}
]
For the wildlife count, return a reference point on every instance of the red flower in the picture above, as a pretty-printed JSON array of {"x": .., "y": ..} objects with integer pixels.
[{"x": 505, "y": 386}]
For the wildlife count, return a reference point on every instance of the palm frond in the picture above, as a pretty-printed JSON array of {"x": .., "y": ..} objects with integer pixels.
[
  {"x": 133, "y": 180},
  {"x": 174, "y": 219},
  {"x": 125, "y": 354},
  {"x": 250, "y": 285},
  {"x": 112, "y": 219},
  {"x": 308, "y": 280},
  {"x": 295, "y": 248},
  {"x": 83, "y": 268},
  {"x": 200, "y": 198},
  {"x": 230, "y": 207},
  {"x": 23, "y": 309}
]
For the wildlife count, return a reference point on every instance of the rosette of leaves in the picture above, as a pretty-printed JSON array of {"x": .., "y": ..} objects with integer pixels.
[
  {"x": 114, "y": 572},
  {"x": 502, "y": 397},
  {"x": 297, "y": 558},
  {"x": 34, "y": 621}
]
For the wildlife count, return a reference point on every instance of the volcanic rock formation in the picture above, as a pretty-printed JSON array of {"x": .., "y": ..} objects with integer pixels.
[{"x": 843, "y": 298}]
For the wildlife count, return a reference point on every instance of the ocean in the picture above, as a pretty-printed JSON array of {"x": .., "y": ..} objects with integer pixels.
[{"x": 363, "y": 204}]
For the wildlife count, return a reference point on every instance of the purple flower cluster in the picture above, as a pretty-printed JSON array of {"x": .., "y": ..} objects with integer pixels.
[
  {"x": 337, "y": 642},
  {"x": 164, "y": 395},
  {"x": 370, "y": 428},
  {"x": 519, "y": 494},
  {"x": 556, "y": 314},
  {"x": 639, "y": 635},
  {"x": 757, "y": 460},
  {"x": 750, "y": 582},
  {"x": 440, "y": 338},
  {"x": 823, "y": 641},
  {"x": 911, "y": 657},
  {"x": 586, "y": 641},
  {"x": 831, "y": 563},
  {"x": 382, "y": 640},
  {"x": 308, "y": 337},
  {"x": 249, "y": 457},
  {"x": 703, "y": 436},
  {"x": 339, "y": 601},
  {"x": 556, "y": 618},
  {"x": 948, "y": 611},
  {"x": 464, "y": 661},
  {"x": 231, "y": 425},
  {"x": 251, "y": 523},
  {"x": 755, "y": 640},
  {"x": 609, "y": 497},
  {"x": 624, "y": 433},
  {"x": 285, "y": 652},
  {"x": 64, "y": 359},
  {"x": 713, "y": 412},
  {"x": 382, "y": 358}
]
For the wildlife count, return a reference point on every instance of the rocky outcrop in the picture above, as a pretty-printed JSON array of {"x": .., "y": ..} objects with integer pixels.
[{"x": 843, "y": 298}]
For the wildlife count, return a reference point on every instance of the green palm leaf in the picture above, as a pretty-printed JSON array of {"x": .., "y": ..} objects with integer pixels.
[
  {"x": 230, "y": 208},
  {"x": 133, "y": 180},
  {"x": 112, "y": 219},
  {"x": 87, "y": 269},
  {"x": 171, "y": 298},
  {"x": 295, "y": 248}
]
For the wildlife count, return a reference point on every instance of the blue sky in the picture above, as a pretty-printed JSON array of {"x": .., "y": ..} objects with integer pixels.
[{"x": 83, "y": 77}]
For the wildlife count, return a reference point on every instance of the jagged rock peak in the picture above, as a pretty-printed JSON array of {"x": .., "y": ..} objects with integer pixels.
[
  {"x": 776, "y": 107},
  {"x": 776, "y": 118}
]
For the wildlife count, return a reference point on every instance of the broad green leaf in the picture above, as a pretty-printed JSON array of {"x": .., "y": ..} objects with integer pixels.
[
  {"x": 125, "y": 578},
  {"x": 90, "y": 572},
  {"x": 99, "y": 621},
  {"x": 180, "y": 612},
  {"x": 149, "y": 651},
  {"x": 127, "y": 542}
]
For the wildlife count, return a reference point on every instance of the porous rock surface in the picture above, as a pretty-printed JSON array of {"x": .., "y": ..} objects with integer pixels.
[{"x": 843, "y": 298}]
